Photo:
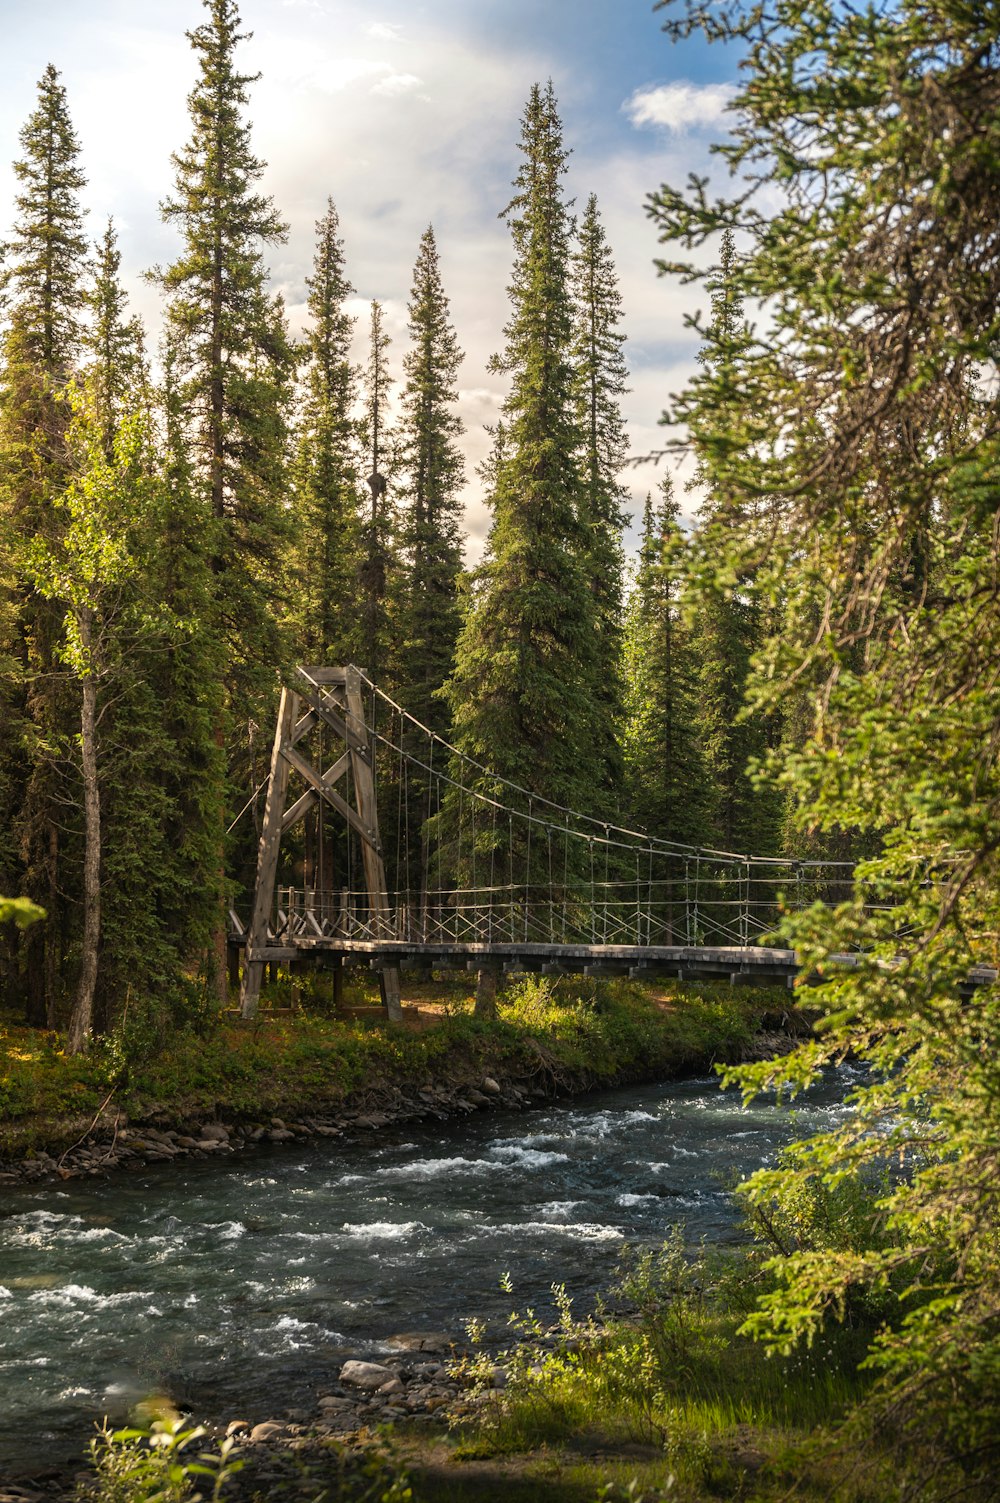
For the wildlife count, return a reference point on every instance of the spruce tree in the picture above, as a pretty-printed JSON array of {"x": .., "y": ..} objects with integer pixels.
[
  {"x": 731, "y": 620},
  {"x": 232, "y": 355},
  {"x": 434, "y": 470},
  {"x": 600, "y": 384},
  {"x": 188, "y": 681},
  {"x": 864, "y": 449},
  {"x": 114, "y": 342},
  {"x": 45, "y": 256},
  {"x": 522, "y": 690},
  {"x": 44, "y": 288},
  {"x": 324, "y": 608},
  {"x": 232, "y": 365},
  {"x": 666, "y": 777},
  {"x": 378, "y": 534}
]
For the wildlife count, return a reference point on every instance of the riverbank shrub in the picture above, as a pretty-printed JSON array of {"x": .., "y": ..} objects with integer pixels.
[
  {"x": 159, "y": 1464},
  {"x": 569, "y": 1034},
  {"x": 666, "y": 1365}
]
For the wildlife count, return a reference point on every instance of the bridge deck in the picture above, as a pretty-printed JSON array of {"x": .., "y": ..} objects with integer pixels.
[{"x": 741, "y": 964}]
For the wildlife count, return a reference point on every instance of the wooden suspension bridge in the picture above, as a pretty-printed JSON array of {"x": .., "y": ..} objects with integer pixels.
[{"x": 470, "y": 870}]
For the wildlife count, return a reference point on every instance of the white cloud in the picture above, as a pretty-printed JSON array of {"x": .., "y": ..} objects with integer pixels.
[
  {"x": 382, "y": 31},
  {"x": 396, "y": 83},
  {"x": 679, "y": 107}
]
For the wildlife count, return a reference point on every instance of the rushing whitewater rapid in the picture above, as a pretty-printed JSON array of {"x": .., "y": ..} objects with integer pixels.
[{"x": 239, "y": 1286}]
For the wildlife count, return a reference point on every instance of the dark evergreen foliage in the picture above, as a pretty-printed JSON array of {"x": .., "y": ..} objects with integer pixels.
[
  {"x": 522, "y": 692},
  {"x": 601, "y": 377},
  {"x": 433, "y": 468},
  {"x": 232, "y": 359},
  {"x": 327, "y": 521},
  {"x": 732, "y": 618},
  {"x": 379, "y": 561},
  {"x": 667, "y": 787}
]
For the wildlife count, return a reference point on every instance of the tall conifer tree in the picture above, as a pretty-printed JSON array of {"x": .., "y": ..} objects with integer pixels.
[
  {"x": 114, "y": 342},
  {"x": 232, "y": 364},
  {"x": 665, "y": 772},
  {"x": 434, "y": 470},
  {"x": 600, "y": 384},
  {"x": 378, "y": 554},
  {"x": 730, "y": 622},
  {"x": 43, "y": 282},
  {"x": 522, "y": 691},
  {"x": 326, "y": 466},
  {"x": 188, "y": 679},
  {"x": 232, "y": 355}
]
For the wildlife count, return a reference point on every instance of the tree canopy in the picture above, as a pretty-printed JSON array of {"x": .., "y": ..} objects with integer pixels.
[{"x": 855, "y": 475}]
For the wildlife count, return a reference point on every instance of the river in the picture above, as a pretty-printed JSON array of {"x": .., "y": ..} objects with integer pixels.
[{"x": 240, "y": 1286}]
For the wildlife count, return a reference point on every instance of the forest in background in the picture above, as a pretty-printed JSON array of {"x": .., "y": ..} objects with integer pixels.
[{"x": 179, "y": 527}]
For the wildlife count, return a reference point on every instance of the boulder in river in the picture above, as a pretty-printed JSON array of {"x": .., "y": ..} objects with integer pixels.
[{"x": 366, "y": 1374}]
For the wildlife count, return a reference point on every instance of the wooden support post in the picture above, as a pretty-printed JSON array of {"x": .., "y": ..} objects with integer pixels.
[
  {"x": 233, "y": 962},
  {"x": 267, "y": 857},
  {"x": 486, "y": 992},
  {"x": 371, "y": 851}
]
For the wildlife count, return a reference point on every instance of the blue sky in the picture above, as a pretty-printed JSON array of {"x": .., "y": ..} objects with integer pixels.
[{"x": 405, "y": 113}]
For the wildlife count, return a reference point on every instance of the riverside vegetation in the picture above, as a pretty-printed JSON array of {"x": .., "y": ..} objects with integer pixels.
[
  {"x": 832, "y": 622},
  {"x": 550, "y": 1038}
]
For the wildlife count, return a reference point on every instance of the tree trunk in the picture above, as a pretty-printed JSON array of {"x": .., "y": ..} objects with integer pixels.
[
  {"x": 486, "y": 993},
  {"x": 83, "y": 1005}
]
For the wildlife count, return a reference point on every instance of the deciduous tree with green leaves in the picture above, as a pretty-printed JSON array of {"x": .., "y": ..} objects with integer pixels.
[
  {"x": 857, "y": 471},
  {"x": 94, "y": 572},
  {"x": 44, "y": 288}
]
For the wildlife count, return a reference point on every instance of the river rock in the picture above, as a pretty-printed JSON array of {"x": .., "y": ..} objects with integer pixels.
[
  {"x": 268, "y": 1430},
  {"x": 237, "y": 1427},
  {"x": 215, "y": 1130},
  {"x": 368, "y": 1375},
  {"x": 490, "y": 1085},
  {"x": 393, "y": 1386},
  {"x": 421, "y": 1341}
]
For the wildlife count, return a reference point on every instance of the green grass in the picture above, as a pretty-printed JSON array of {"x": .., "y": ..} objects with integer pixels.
[
  {"x": 672, "y": 1401},
  {"x": 556, "y": 1035}
]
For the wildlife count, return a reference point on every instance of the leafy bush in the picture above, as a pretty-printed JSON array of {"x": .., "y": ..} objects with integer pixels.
[{"x": 156, "y": 1465}]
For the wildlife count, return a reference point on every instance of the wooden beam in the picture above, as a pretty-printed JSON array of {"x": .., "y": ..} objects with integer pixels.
[
  {"x": 267, "y": 856},
  {"x": 309, "y": 800},
  {"x": 323, "y": 675},
  {"x": 306, "y": 770},
  {"x": 364, "y": 787},
  {"x": 321, "y": 706}
]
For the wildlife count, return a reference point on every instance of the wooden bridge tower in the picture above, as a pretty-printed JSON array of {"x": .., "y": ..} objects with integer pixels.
[{"x": 330, "y": 697}]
